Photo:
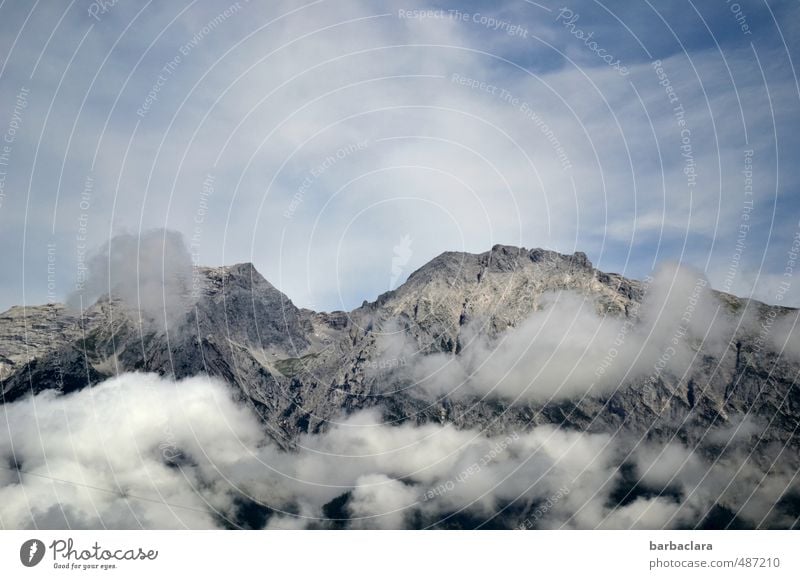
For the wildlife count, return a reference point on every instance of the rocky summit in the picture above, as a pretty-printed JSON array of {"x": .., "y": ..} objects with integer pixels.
[{"x": 299, "y": 369}]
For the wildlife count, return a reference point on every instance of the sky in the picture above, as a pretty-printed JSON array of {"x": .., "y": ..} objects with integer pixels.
[{"x": 341, "y": 145}]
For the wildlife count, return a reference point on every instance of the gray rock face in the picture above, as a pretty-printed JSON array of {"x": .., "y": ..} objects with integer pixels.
[{"x": 299, "y": 369}]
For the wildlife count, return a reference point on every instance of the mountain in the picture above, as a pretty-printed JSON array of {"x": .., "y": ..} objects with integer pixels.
[
  {"x": 297, "y": 367},
  {"x": 300, "y": 369}
]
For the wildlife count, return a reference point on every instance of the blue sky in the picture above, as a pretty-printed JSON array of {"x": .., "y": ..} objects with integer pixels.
[{"x": 340, "y": 145}]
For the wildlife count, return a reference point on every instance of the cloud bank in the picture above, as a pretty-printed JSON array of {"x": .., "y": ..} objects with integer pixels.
[{"x": 139, "y": 451}]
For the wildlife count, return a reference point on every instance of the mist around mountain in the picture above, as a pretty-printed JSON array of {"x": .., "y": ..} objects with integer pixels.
[{"x": 515, "y": 388}]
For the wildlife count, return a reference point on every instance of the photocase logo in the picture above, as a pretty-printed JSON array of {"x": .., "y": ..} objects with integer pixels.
[
  {"x": 402, "y": 253},
  {"x": 31, "y": 553}
]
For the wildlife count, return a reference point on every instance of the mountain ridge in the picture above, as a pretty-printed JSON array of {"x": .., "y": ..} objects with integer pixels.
[{"x": 300, "y": 368}]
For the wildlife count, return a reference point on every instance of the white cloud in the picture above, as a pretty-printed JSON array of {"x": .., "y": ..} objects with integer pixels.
[
  {"x": 141, "y": 451},
  {"x": 151, "y": 272}
]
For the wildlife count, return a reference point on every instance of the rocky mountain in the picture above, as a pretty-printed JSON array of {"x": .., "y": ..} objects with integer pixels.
[
  {"x": 300, "y": 369},
  {"x": 297, "y": 367}
]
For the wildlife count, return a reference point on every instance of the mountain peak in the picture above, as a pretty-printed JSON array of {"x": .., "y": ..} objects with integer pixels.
[
  {"x": 237, "y": 276},
  {"x": 499, "y": 259}
]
